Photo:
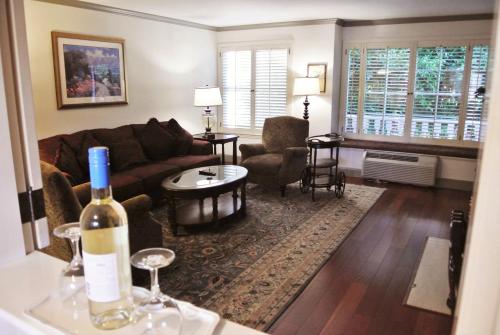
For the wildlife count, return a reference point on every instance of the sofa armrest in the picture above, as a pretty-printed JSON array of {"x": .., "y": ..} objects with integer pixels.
[
  {"x": 249, "y": 150},
  {"x": 200, "y": 147},
  {"x": 294, "y": 162},
  {"x": 83, "y": 193},
  {"x": 137, "y": 206}
]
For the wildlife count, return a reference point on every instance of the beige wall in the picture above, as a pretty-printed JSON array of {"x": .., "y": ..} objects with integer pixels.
[{"x": 164, "y": 63}]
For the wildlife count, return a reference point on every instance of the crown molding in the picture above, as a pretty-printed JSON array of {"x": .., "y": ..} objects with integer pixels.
[
  {"x": 423, "y": 19},
  {"x": 127, "y": 12},
  {"x": 340, "y": 22},
  {"x": 280, "y": 24}
]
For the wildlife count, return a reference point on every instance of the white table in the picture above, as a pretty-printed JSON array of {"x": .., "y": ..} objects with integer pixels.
[{"x": 27, "y": 281}]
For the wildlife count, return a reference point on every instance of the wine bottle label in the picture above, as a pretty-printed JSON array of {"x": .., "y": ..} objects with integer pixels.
[{"x": 101, "y": 277}]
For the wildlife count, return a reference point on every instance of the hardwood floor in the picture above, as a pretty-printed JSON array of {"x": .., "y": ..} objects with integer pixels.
[{"x": 360, "y": 290}]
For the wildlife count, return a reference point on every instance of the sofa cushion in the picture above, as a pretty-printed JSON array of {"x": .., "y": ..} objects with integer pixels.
[
  {"x": 183, "y": 139},
  {"x": 126, "y": 154},
  {"x": 48, "y": 147},
  {"x": 109, "y": 136},
  {"x": 153, "y": 174},
  {"x": 269, "y": 164},
  {"x": 157, "y": 142},
  {"x": 82, "y": 155},
  {"x": 192, "y": 161},
  {"x": 66, "y": 161}
]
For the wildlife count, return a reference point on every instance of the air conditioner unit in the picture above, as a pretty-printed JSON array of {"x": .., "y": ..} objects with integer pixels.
[{"x": 400, "y": 167}]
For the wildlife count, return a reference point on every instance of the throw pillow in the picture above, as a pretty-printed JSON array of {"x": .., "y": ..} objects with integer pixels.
[
  {"x": 126, "y": 154},
  {"x": 66, "y": 161},
  {"x": 157, "y": 142},
  {"x": 183, "y": 139},
  {"x": 88, "y": 142}
]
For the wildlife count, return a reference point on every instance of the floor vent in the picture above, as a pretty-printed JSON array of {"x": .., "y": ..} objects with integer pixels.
[{"x": 400, "y": 167}]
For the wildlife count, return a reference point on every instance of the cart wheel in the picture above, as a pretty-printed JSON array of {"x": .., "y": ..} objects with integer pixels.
[
  {"x": 340, "y": 185},
  {"x": 305, "y": 180}
]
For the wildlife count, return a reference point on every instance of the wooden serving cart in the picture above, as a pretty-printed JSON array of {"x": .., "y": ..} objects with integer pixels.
[{"x": 323, "y": 172}]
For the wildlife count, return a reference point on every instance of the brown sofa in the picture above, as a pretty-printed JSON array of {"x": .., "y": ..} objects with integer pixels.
[{"x": 142, "y": 155}]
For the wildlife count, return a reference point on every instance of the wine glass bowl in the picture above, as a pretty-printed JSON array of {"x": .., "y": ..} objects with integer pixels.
[
  {"x": 71, "y": 280},
  {"x": 157, "y": 302}
]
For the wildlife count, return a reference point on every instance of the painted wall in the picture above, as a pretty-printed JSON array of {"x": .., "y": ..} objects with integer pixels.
[
  {"x": 478, "y": 304},
  {"x": 164, "y": 63}
]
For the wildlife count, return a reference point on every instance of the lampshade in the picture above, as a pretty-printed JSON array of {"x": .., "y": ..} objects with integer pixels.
[
  {"x": 207, "y": 96},
  {"x": 306, "y": 86}
]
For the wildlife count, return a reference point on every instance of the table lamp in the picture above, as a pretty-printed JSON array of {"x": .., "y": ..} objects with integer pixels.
[
  {"x": 207, "y": 97},
  {"x": 306, "y": 86}
]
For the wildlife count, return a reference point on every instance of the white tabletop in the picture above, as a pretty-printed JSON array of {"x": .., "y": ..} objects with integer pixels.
[{"x": 27, "y": 281}]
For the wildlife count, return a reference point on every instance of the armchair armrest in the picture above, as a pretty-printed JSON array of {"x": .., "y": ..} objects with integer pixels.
[
  {"x": 144, "y": 230},
  {"x": 201, "y": 148},
  {"x": 83, "y": 193},
  {"x": 294, "y": 162},
  {"x": 249, "y": 150}
]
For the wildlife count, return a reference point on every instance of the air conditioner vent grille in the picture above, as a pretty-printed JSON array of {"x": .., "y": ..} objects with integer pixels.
[
  {"x": 392, "y": 157},
  {"x": 400, "y": 167}
]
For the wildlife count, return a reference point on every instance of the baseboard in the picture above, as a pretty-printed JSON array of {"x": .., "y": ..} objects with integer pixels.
[{"x": 452, "y": 184}]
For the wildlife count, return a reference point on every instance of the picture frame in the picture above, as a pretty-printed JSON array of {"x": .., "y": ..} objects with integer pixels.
[
  {"x": 318, "y": 70},
  {"x": 89, "y": 70}
]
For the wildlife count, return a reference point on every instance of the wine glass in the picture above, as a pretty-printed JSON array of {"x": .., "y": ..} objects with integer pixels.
[
  {"x": 72, "y": 281},
  {"x": 157, "y": 302}
]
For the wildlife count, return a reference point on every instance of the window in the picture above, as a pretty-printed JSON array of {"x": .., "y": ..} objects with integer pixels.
[
  {"x": 254, "y": 84},
  {"x": 415, "y": 92}
]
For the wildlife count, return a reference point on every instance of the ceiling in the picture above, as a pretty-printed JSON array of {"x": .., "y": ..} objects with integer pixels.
[{"x": 220, "y": 13}]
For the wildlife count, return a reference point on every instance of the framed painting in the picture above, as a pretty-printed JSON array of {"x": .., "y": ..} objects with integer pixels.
[
  {"x": 318, "y": 70},
  {"x": 89, "y": 70}
]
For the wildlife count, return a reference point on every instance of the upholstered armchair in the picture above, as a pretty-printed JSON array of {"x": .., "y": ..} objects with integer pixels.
[
  {"x": 281, "y": 157},
  {"x": 62, "y": 206}
]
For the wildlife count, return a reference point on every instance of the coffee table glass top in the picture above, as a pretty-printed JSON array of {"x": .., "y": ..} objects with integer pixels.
[{"x": 210, "y": 176}]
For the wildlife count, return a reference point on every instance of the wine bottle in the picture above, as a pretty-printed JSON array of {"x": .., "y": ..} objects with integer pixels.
[{"x": 105, "y": 247}]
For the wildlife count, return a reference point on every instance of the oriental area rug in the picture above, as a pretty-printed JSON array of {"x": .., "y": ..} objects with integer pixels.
[{"x": 250, "y": 270}]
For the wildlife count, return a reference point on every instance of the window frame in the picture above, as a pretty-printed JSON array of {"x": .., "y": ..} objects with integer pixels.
[
  {"x": 413, "y": 45},
  {"x": 253, "y": 47}
]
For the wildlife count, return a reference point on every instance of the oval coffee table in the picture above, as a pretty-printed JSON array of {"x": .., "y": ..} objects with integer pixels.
[{"x": 192, "y": 187}]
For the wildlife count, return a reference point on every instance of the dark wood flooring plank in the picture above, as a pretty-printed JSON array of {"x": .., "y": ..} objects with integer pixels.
[{"x": 361, "y": 288}]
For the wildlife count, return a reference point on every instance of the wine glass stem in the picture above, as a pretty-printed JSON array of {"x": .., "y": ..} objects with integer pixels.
[
  {"x": 155, "y": 287},
  {"x": 75, "y": 248}
]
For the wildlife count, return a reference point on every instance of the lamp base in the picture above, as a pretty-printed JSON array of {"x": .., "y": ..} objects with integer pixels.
[
  {"x": 306, "y": 109},
  {"x": 208, "y": 133}
]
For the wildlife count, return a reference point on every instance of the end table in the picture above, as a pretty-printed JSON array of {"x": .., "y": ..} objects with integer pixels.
[{"x": 220, "y": 138}]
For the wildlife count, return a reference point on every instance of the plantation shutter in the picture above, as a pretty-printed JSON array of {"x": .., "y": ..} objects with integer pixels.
[
  {"x": 236, "y": 71},
  {"x": 352, "y": 91},
  {"x": 438, "y": 87},
  {"x": 386, "y": 88},
  {"x": 270, "y": 84},
  {"x": 475, "y": 105}
]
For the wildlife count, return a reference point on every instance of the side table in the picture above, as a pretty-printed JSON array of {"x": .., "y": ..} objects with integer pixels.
[{"x": 219, "y": 138}]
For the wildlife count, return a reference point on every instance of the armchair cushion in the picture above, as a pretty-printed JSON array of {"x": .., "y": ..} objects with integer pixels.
[
  {"x": 283, "y": 132},
  {"x": 249, "y": 150},
  {"x": 266, "y": 164}
]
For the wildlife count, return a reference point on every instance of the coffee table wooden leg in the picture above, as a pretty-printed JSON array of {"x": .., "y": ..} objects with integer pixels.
[
  {"x": 172, "y": 215},
  {"x": 235, "y": 153},
  {"x": 244, "y": 199},
  {"x": 215, "y": 209}
]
